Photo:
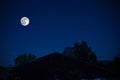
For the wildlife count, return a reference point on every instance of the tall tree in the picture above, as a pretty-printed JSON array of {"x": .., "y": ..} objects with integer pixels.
[{"x": 81, "y": 52}]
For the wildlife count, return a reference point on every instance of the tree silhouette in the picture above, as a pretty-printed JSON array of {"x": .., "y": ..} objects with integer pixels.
[
  {"x": 81, "y": 52},
  {"x": 23, "y": 58},
  {"x": 92, "y": 57}
]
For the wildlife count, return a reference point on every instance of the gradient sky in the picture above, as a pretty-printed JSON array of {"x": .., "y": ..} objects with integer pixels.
[{"x": 58, "y": 24}]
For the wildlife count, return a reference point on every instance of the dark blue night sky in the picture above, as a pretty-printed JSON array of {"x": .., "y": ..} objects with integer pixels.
[{"x": 58, "y": 24}]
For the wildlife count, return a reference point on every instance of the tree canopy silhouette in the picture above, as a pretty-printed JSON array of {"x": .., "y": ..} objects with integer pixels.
[
  {"x": 23, "y": 58},
  {"x": 81, "y": 52}
]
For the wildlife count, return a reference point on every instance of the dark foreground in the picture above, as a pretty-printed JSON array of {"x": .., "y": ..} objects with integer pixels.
[{"x": 58, "y": 67}]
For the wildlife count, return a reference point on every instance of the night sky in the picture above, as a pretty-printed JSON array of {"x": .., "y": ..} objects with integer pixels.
[{"x": 58, "y": 24}]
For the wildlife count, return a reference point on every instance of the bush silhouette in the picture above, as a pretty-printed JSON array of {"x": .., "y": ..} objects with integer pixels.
[{"x": 23, "y": 58}]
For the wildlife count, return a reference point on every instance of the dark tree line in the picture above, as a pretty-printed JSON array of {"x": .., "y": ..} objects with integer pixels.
[{"x": 79, "y": 51}]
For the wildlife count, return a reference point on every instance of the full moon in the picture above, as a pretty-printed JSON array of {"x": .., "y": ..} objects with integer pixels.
[{"x": 24, "y": 21}]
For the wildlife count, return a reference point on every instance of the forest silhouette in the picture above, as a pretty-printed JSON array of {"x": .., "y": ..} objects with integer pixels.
[{"x": 74, "y": 63}]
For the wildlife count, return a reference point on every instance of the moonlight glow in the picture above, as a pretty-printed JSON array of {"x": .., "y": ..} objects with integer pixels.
[{"x": 24, "y": 21}]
